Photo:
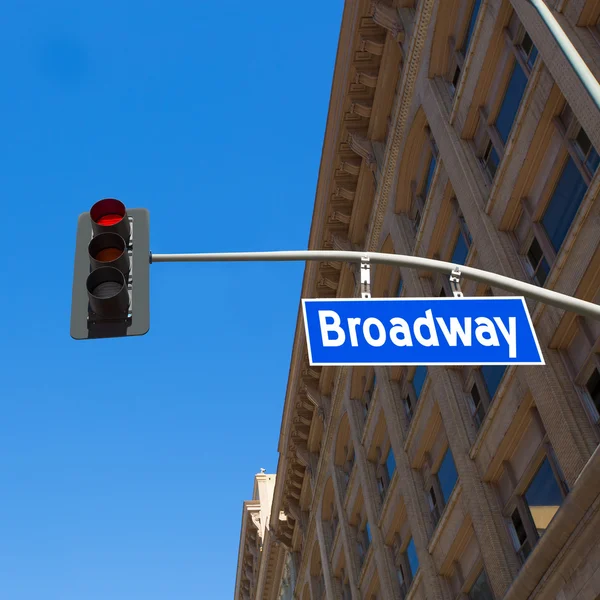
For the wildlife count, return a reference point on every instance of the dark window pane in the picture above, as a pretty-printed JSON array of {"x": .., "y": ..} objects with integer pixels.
[
  {"x": 400, "y": 286},
  {"x": 527, "y": 44},
  {"x": 593, "y": 388},
  {"x": 564, "y": 203},
  {"x": 447, "y": 475},
  {"x": 519, "y": 527},
  {"x": 535, "y": 254},
  {"x": 390, "y": 463},
  {"x": 368, "y": 532},
  {"x": 408, "y": 409},
  {"x": 413, "y": 561},
  {"x": 542, "y": 272},
  {"x": 592, "y": 161},
  {"x": 477, "y": 407},
  {"x": 465, "y": 229},
  {"x": 532, "y": 56},
  {"x": 510, "y": 104},
  {"x": 543, "y": 497},
  {"x": 492, "y": 375},
  {"x": 471, "y": 26},
  {"x": 481, "y": 589},
  {"x": 583, "y": 141},
  {"x": 492, "y": 161},
  {"x": 430, "y": 171},
  {"x": 459, "y": 255},
  {"x": 456, "y": 77},
  {"x": 419, "y": 379}
]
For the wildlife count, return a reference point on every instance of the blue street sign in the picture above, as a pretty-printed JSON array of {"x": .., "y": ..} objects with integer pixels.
[{"x": 420, "y": 331}]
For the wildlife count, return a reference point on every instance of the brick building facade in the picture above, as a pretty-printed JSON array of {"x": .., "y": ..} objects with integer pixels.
[{"x": 457, "y": 130}]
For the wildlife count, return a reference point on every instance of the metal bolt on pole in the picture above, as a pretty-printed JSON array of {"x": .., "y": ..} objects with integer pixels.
[{"x": 581, "y": 307}]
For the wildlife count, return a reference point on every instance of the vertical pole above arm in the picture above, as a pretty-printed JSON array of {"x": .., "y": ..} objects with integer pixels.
[{"x": 579, "y": 66}]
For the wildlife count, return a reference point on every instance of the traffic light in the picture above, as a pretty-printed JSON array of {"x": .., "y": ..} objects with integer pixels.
[{"x": 111, "y": 280}]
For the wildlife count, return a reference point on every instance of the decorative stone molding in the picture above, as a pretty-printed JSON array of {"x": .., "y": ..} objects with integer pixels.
[
  {"x": 387, "y": 17},
  {"x": 340, "y": 217},
  {"x": 362, "y": 146},
  {"x": 367, "y": 79},
  {"x": 350, "y": 167},
  {"x": 374, "y": 47},
  {"x": 361, "y": 109},
  {"x": 340, "y": 243},
  {"x": 345, "y": 192}
]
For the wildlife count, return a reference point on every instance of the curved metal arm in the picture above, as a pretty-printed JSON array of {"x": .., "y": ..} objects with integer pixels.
[
  {"x": 562, "y": 39},
  {"x": 581, "y": 307}
]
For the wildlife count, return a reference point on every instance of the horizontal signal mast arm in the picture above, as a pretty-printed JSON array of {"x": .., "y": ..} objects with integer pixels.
[{"x": 581, "y": 307}]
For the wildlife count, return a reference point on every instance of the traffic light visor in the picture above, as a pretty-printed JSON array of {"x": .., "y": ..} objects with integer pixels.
[
  {"x": 107, "y": 292},
  {"x": 109, "y": 250}
]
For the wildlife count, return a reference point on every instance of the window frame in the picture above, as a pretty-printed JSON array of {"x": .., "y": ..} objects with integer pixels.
[
  {"x": 474, "y": 378},
  {"x": 491, "y": 140},
  {"x": 517, "y": 502},
  {"x": 458, "y": 52},
  {"x": 409, "y": 394},
  {"x": 401, "y": 562},
  {"x": 534, "y": 214},
  {"x": 590, "y": 363},
  {"x": 433, "y": 488}
]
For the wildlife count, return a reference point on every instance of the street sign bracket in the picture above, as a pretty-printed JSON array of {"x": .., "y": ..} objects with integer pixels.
[
  {"x": 455, "y": 276},
  {"x": 365, "y": 277}
]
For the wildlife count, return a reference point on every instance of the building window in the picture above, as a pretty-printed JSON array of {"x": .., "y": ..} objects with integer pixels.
[
  {"x": 390, "y": 464},
  {"x": 543, "y": 496},
  {"x": 478, "y": 406},
  {"x": 539, "y": 266},
  {"x": 492, "y": 376},
  {"x": 419, "y": 379},
  {"x": 429, "y": 177},
  {"x": 385, "y": 472},
  {"x": 537, "y": 506},
  {"x": 471, "y": 26},
  {"x": 402, "y": 581},
  {"x": 510, "y": 104},
  {"x": 490, "y": 160},
  {"x": 447, "y": 475},
  {"x": 399, "y": 288},
  {"x": 363, "y": 542},
  {"x": 406, "y": 563},
  {"x": 587, "y": 152},
  {"x": 413, "y": 560},
  {"x": 413, "y": 391},
  {"x": 441, "y": 486},
  {"x": 592, "y": 387},
  {"x": 368, "y": 534},
  {"x": 529, "y": 50},
  {"x": 460, "y": 252},
  {"x": 455, "y": 79},
  {"x": 481, "y": 590},
  {"x": 564, "y": 204},
  {"x": 519, "y": 536},
  {"x": 482, "y": 386}
]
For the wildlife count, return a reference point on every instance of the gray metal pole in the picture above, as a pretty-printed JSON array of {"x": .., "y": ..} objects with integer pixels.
[
  {"x": 583, "y": 72},
  {"x": 581, "y": 307}
]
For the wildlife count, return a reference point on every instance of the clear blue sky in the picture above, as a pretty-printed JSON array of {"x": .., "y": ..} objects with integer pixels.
[{"x": 124, "y": 463}]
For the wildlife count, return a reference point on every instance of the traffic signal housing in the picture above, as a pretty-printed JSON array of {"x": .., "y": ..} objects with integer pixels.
[{"x": 111, "y": 279}]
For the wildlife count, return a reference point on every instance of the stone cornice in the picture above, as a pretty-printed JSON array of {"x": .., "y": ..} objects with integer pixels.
[{"x": 400, "y": 123}]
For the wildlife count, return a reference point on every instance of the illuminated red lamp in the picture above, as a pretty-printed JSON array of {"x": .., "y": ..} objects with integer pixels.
[{"x": 110, "y": 215}]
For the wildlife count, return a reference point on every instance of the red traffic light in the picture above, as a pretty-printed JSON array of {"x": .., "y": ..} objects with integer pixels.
[{"x": 110, "y": 214}]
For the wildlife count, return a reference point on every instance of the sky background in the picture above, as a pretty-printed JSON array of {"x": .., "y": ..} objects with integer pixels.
[{"x": 124, "y": 463}]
